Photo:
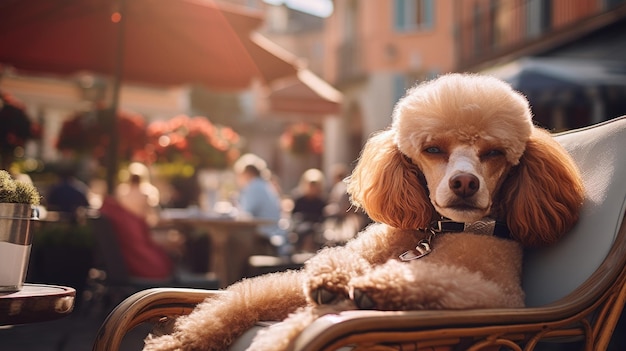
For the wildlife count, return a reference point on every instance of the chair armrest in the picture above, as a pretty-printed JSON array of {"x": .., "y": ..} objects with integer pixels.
[
  {"x": 398, "y": 327},
  {"x": 144, "y": 306},
  {"x": 578, "y": 315}
]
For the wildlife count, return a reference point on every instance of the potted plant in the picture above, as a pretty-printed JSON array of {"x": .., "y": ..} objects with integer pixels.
[
  {"x": 63, "y": 252},
  {"x": 18, "y": 201},
  {"x": 63, "y": 243}
]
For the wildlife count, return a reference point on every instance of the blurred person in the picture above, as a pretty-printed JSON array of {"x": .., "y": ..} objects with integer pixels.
[
  {"x": 259, "y": 199},
  {"x": 307, "y": 214},
  {"x": 341, "y": 222},
  {"x": 144, "y": 257},
  {"x": 133, "y": 211},
  {"x": 69, "y": 194},
  {"x": 338, "y": 198},
  {"x": 159, "y": 261},
  {"x": 138, "y": 195},
  {"x": 309, "y": 201}
]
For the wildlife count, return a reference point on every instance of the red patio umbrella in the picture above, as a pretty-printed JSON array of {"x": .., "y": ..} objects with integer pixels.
[
  {"x": 147, "y": 41},
  {"x": 304, "y": 93},
  {"x": 152, "y": 41}
]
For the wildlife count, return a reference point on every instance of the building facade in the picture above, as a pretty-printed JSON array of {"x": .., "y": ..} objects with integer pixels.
[
  {"x": 567, "y": 57},
  {"x": 378, "y": 49}
]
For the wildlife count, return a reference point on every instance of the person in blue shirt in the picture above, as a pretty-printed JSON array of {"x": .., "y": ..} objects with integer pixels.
[
  {"x": 69, "y": 194},
  {"x": 258, "y": 198}
]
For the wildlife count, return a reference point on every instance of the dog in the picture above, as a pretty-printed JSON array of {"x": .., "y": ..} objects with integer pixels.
[{"x": 457, "y": 186}]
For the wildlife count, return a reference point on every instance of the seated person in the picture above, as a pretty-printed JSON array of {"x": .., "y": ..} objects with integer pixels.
[
  {"x": 259, "y": 199},
  {"x": 138, "y": 195},
  {"x": 342, "y": 223},
  {"x": 307, "y": 214},
  {"x": 68, "y": 195},
  {"x": 144, "y": 258}
]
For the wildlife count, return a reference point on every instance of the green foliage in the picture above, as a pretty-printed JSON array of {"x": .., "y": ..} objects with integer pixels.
[
  {"x": 63, "y": 234},
  {"x": 15, "y": 191}
]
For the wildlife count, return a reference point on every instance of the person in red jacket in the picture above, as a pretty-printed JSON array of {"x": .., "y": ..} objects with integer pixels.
[{"x": 143, "y": 256}]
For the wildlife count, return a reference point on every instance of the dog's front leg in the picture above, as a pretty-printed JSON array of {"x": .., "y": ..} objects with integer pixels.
[
  {"x": 423, "y": 284},
  {"x": 279, "y": 336},
  {"x": 218, "y": 321},
  {"x": 327, "y": 274}
]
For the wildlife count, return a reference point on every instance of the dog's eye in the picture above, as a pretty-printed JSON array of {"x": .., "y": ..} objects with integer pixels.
[
  {"x": 492, "y": 153},
  {"x": 433, "y": 150}
]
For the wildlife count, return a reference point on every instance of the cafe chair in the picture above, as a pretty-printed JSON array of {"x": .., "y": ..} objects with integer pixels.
[{"x": 575, "y": 290}]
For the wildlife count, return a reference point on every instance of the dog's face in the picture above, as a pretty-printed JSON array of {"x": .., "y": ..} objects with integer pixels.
[
  {"x": 464, "y": 147},
  {"x": 464, "y": 132}
]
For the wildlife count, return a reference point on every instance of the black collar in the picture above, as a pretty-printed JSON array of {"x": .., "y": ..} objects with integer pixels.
[{"x": 485, "y": 226}]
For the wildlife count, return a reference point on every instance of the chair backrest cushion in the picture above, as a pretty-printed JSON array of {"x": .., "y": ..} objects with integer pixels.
[{"x": 600, "y": 152}]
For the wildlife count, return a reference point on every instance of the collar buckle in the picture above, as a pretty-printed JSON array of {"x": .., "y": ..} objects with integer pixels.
[{"x": 446, "y": 226}]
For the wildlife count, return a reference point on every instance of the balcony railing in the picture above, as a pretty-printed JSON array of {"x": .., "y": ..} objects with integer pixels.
[{"x": 491, "y": 30}]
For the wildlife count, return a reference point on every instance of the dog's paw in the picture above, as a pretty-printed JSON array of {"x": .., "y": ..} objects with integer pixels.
[
  {"x": 328, "y": 275},
  {"x": 323, "y": 296},
  {"x": 383, "y": 288},
  {"x": 361, "y": 299},
  {"x": 326, "y": 291},
  {"x": 370, "y": 297},
  {"x": 327, "y": 286}
]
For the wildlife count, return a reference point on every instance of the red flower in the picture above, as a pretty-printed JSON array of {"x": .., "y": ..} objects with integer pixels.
[
  {"x": 194, "y": 141},
  {"x": 15, "y": 125},
  {"x": 302, "y": 139},
  {"x": 86, "y": 132}
]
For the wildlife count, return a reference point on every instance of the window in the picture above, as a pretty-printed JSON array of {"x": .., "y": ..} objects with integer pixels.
[
  {"x": 538, "y": 17},
  {"x": 413, "y": 15},
  {"x": 479, "y": 25}
]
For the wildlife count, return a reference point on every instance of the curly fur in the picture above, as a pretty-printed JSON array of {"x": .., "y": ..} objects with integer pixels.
[{"x": 461, "y": 146}]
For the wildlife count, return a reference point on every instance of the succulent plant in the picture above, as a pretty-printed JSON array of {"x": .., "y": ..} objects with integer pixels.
[{"x": 15, "y": 191}]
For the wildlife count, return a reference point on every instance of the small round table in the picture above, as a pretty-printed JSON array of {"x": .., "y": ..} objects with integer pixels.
[{"x": 36, "y": 303}]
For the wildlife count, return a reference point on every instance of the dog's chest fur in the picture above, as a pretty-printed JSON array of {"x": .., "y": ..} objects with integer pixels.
[{"x": 496, "y": 258}]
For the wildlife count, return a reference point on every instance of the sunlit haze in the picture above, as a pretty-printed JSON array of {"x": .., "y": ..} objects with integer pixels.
[{"x": 320, "y": 8}]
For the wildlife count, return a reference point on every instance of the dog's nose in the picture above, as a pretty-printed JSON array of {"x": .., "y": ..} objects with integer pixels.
[{"x": 464, "y": 184}]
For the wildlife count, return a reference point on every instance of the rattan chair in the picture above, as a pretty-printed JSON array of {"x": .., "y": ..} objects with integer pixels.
[{"x": 575, "y": 291}]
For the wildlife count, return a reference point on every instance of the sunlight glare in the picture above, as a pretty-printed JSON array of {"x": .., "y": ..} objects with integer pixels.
[
  {"x": 319, "y": 8},
  {"x": 116, "y": 17}
]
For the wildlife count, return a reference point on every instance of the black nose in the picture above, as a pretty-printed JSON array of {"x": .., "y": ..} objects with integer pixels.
[{"x": 464, "y": 184}]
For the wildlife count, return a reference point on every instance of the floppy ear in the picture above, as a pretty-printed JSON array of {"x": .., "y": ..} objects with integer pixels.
[
  {"x": 387, "y": 185},
  {"x": 542, "y": 196}
]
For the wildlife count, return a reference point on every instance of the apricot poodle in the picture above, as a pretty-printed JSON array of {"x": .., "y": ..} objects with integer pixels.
[{"x": 458, "y": 185}]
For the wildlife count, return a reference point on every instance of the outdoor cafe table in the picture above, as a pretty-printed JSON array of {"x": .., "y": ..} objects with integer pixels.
[
  {"x": 36, "y": 303},
  {"x": 225, "y": 259}
]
